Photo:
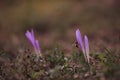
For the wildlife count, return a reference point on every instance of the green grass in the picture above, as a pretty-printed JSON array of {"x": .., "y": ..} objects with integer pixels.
[{"x": 55, "y": 65}]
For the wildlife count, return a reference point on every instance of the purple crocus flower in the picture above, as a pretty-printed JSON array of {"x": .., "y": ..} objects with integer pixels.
[
  {"x": 84, "y": 46},
  {"x": 34, "y": 42}
]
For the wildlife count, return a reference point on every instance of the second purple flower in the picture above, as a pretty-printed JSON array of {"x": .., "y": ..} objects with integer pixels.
[{"x": 83, "y": 45}]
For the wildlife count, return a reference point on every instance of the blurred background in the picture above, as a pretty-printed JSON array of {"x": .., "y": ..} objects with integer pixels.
[{"x": 55, "y": 22}]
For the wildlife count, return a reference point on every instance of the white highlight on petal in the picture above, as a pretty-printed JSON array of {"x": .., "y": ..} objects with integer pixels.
[
  {"x": 38, "y": 46},
  {"x": 86, "y": 47}
]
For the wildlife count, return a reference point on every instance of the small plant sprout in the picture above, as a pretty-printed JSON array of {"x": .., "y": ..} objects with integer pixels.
[
  {"x": 34, "y": 42},
  {"x": 84, "y": 46}
]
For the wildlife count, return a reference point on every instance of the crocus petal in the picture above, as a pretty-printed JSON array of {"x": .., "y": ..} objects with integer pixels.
[
  {"x": 30, "y": 37},
  {"x": 79, "y": 40},
  {"x": 37, "y": 46},
  {"x": 86, "y": 47}
]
